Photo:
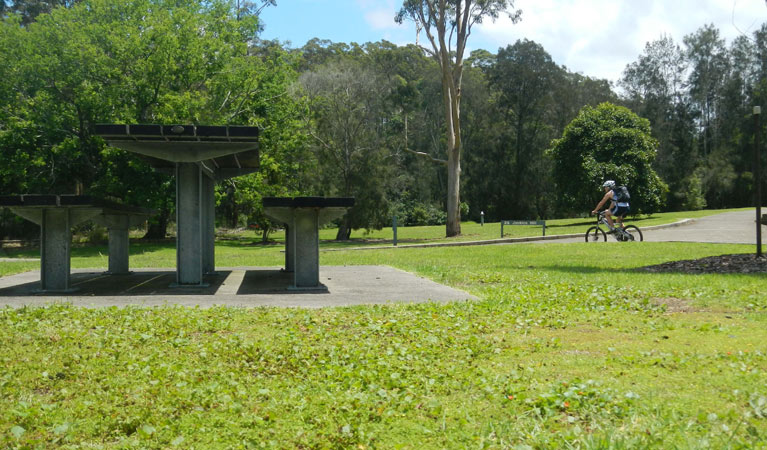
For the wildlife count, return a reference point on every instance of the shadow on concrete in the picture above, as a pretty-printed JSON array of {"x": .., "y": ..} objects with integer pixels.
[
  {"x": 161, "y": 283},
  {"x": 97, "y": 284},
  {"x": 270, "y": 281}
]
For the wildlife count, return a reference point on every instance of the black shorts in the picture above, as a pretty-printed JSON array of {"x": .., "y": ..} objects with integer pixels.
[{"x": 620, "y": 211}]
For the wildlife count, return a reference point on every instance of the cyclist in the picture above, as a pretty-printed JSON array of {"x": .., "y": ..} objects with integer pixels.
[{"x": 617, "y": 208}]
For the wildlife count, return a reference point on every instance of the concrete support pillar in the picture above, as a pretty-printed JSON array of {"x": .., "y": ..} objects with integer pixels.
[
  {"x": 290, "y": 248},
  {"x": 306, "y": 240},
  {"x": 119, "y": 244},
  {"x": 55, "y": 241},
  {"x": 208, "y": 224},
  {"x": 189, "y": 236}
]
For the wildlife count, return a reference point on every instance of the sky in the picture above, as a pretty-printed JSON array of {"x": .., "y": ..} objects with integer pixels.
[{"x": 597, "y": 38}]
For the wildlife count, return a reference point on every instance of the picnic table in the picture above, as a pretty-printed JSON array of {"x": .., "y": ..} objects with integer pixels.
[
  {"x": 198, "y": 156},
  {"x": 57, "y": 214},
  {"x": 303, "y": 217}
]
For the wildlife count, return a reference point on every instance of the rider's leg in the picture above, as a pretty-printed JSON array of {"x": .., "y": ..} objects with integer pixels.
[{"x": 609, "y": 217}]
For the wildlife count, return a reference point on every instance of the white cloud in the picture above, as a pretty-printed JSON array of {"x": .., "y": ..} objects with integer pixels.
[
  {"x": 380, "y": 19},
  {"x": 600, "y": 37}
]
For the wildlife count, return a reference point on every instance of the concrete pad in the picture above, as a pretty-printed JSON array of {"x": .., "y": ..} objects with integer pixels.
[{"x": 239, "y": 287}]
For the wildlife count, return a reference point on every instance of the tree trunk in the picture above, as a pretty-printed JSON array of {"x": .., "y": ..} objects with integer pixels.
[
  {"x": 158, "y": 226},
  {"x": 344, "y": 231},
  {"x": 453, "y": 227},
  {"x": 451, "y": 97}
]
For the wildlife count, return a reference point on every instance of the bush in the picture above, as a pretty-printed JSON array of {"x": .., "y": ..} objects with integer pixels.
[{"x": 412, "y": 213}]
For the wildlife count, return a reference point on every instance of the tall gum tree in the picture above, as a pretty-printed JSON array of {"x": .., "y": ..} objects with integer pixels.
[{"x": 447, "y": 25}]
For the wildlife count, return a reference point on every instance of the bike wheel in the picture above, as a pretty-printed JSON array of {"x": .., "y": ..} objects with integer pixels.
[
  {"x": 634, "y": 232},
  {"x": 594, "y": 234}
]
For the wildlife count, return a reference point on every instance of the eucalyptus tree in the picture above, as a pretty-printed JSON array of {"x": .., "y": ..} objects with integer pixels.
[
  {"x": 447, "y": 25},
  {"x": 414, "y": 124},
  {"x": 709, "y": 64},
  {"x": 348, "y": 122},
  {"x": 486, "y": 181}
]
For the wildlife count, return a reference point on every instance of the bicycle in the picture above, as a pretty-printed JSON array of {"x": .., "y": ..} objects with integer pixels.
[{"x": 628, "y": 233}]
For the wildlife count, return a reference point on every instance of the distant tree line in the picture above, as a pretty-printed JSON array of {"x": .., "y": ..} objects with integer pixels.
[{"x": 366, "y": 120}]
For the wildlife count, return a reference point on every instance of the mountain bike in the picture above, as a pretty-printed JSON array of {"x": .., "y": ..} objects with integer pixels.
[{"x": 626, "y": 234}]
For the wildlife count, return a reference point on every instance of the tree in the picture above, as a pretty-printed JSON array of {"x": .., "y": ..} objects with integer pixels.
[
  {"x": 347, "y": 115},
  {"x": 524, "y": 76},
  {"x": 443, "y": 21},
  {"x": 28, "y": 10},
  {"x": 606, "y": 142},
  {"x": 656, "y": 89},
  {"x": 709, "y": 63},
  {"x": 133, "y": 61}
]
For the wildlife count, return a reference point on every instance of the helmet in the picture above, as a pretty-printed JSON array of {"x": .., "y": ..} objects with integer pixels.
[{"x": 609, "y": 184}]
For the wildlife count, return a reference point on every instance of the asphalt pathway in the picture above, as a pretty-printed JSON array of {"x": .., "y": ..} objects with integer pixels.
[{"x": 738, "y": 227}]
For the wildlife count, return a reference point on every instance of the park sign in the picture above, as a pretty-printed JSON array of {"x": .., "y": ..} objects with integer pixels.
[{"x": 540, "y": 223}]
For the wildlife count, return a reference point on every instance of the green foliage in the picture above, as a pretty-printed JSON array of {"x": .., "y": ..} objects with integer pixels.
[
  {"x": 70, "y": 64},
  {"x": 350, "y": 143},
  {"x": 410, "y": 212},
  {"x": 606, "y": 142},
  {"x": 136, "y": 61},
  {"x": 546, "y": 357}
]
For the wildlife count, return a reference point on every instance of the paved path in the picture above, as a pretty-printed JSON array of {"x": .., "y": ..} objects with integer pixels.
[{"x": 738, "y": 227}]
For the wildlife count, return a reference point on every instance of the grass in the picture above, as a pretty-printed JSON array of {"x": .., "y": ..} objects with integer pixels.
[
  {"x": 567, "y": 346},
  {"x": 472, "y": 231}
]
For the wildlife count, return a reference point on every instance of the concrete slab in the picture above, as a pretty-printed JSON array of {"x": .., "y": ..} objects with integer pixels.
[{"x": 238, "y": 287}]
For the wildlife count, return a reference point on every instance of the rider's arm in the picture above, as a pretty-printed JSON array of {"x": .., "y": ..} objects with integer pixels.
[{"x": 607, "y": 197}]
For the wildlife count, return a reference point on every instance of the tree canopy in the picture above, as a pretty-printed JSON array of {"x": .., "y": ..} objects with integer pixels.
[
  {"x": 601, "y": 143},
  {"x": 370, "y": 119}
]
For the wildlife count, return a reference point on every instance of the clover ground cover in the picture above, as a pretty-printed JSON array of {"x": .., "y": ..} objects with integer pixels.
[{"x": 567, "y": 346}]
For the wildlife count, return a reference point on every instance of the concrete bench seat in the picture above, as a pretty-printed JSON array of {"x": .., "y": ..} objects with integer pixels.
[
  {"x": 303, "y": 217},
  {"x": 57, "y": 214}
]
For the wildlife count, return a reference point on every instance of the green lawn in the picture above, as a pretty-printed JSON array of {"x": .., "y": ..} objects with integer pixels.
[
  {"x": 472, "y": 231},
  {"x": 567, "y": 346}
]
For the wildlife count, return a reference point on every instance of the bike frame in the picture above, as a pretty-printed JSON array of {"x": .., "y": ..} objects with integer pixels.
[{"x": 602, "y": 220}]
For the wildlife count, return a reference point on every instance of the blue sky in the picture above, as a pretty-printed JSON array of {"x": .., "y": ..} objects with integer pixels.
[{"x": 594, "y": 37}]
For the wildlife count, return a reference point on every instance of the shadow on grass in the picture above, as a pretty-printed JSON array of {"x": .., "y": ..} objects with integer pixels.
[
  {"x": 592, "y": 270},
  {"x": 592, "y": 221},
  {"x": 256, "y": 242}
]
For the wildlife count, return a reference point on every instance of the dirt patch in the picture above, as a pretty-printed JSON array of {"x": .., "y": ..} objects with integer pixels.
[
  {"x": 676, "y": 305},
  {"x": 741, "y": 263}
]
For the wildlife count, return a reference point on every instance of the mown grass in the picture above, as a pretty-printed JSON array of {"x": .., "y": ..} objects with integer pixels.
[
  {"x": 472, "y": 231},
  {"x": 568, "y": 346}
]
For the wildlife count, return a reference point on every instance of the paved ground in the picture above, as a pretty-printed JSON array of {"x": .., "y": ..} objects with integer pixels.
[
  {"x": 347, "y": 285},
  {"x": 241, "y": 287},
  {"x": 737, "y": 227},
  {"x": 732, "y": 228}
]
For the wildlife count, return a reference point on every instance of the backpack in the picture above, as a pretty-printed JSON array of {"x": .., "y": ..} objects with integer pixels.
[{"x": 621, "y": 194}]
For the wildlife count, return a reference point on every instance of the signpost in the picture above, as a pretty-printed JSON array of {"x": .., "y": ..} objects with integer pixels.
[
  {"x": 540, "y": 223},
  {"x": 758, "y": 170}
]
